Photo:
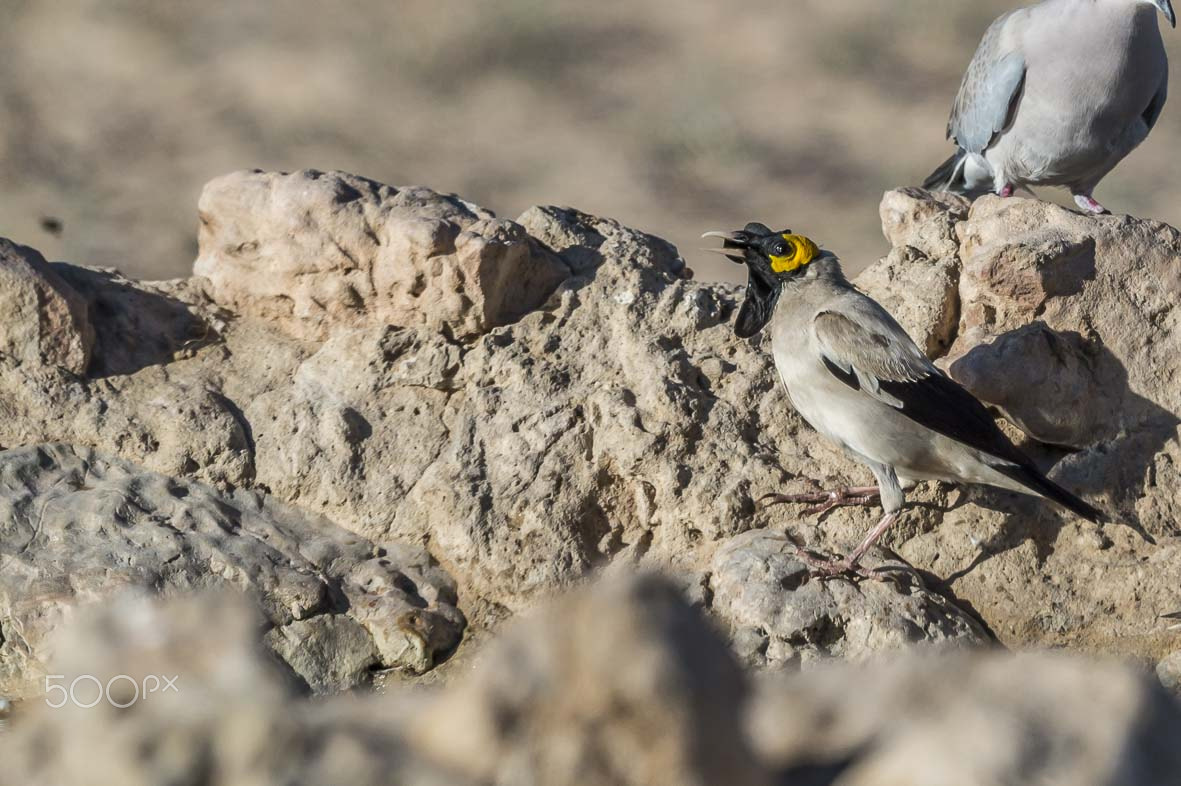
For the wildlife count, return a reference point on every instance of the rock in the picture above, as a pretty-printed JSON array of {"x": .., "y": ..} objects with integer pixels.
[
  {"x": 920, "y": 292},
  {"x": 923, "y": 220},
  {"x": 970, "y": 719},
  {"x": 1168, "y": 671},
  {"x": 1099, "y": 366},
  {"x": 134, "y": 403},
  {"x": 777, "y": 616},
  {"x": 584, "y": 241},
  {"x": 314, "y": 251},
  {"x": 139, "y": 324},
  {"x": 43, "y": 321},
  {"x": 624, "y": 684},
  {"x": 78, "y": 527},
  {"x": 1109, "y": 280},
  {"x": 619, "y": 683},
  {"x": 612, "y": 424},
  {"x": 1067, "y": 371},
  {"x": 620, "y": 423},
  {"x": 230, "y": 717}
]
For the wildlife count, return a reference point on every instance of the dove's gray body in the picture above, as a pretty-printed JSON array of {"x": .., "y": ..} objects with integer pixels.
[
  {"x": 1058, "y": 94},
  {"x": 821, "y": 316}
]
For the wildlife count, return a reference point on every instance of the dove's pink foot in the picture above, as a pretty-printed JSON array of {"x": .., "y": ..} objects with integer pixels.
[{"x": 1088, "y": 204}]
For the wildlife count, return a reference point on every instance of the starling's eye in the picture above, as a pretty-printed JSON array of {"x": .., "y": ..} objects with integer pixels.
[{"x": 791, "y": 252}]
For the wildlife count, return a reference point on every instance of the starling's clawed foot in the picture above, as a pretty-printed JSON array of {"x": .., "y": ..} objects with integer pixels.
[
  {"x": 834, "y": 567},
  {"x": 823, "y": 501}
]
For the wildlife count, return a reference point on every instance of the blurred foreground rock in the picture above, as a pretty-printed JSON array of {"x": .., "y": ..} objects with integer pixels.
[
  {"x": 620, "y": 684},
  {"x": 972, "y": 719}
]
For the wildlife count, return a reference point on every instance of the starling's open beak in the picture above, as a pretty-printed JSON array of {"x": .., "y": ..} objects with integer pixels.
[
  {"x": 1166, "y": 8},
  {"x": 734, "y": 245}
]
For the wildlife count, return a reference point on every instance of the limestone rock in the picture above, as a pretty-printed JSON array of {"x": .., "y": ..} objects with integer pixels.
[
  {"x": 1112, "y": 281},
  {"x": 621, "y": 423},
  {"x": 1072, "y": 407},
  {"x": 923, "y": 220},
  {"x": 43, "y": 321},
  {"x": 139, "y": 324},
  {"x": 1168, "y": 671},
  {"x": 230, "y": 718},
  {"x": 920, "y": 292},
  {"x": 78, "y": 527},
  {"x": 778, "y": 617},
  {"x": 1098, "y": 370},
  {"x": 975, "y": 720},
  {"x": 316, "y": 250},
  {"x": 623, "y": 684}
]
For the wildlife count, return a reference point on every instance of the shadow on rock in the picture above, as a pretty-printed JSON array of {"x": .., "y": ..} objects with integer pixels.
[
  {"x": 1074, "y": 393},
  {"x": 134, "y": 326}
]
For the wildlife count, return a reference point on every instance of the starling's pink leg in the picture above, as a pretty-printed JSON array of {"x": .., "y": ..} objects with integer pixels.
[
  {"x": 823, "y": 501},
  {"x": 848, "y": 565}
]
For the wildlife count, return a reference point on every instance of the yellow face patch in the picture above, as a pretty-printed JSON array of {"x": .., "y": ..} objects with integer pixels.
[{"x": 800, "y": 251}]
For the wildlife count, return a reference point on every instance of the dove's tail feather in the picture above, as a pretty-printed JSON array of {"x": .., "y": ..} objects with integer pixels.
[{"x": 949, "y": 175}]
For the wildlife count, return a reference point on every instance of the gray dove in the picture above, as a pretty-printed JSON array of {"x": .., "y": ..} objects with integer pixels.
[
  {"x": 1057, "y": 94},
  {"x": 855, "y": 375}
]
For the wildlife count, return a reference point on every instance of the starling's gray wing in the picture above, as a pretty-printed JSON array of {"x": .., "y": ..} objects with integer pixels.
[
  {"x": 990, "y": 90},
  {"x": 865, "y": 348}
]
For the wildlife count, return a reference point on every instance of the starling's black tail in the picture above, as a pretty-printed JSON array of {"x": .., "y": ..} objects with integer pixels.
[
  {"x": 1033, "y": 479},
  {"x": 949, "y": 175}
]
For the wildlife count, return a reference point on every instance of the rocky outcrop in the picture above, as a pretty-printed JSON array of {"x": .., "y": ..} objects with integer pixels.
[
  {"x": 313, "y": 251},
  {"x": 1065, "y": 325},
  {"x": 620, "y": 684},
  {"x": 777, "y": 617},
  {"x": 557, "y": 396},
  {"x": 43, "y": 321},
  {"x": 971, "y": 719},
  {"x": 1087, "y": 305},
  {"x": 79, "y": 528}
]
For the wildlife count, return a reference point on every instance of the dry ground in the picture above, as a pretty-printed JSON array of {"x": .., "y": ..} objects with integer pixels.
[{"x": 672, "y": 116}]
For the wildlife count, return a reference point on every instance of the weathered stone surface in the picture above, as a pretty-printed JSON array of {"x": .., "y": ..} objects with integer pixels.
[
  {"x": 43, "y": 321},
  {"x": 615, "y": 423},
  {"x": 1083, "y": 312},
  {"x": 923, "y": 220},
  {"x": 777, "y": 616},
  {"x": 77, "y": 527},
  {"x": 1168, "y": 671},
  {"x": 315, "y": 250},
  {"x": 619, "y": 423},
  {"x": 232, "y": 718},
  {"x": 624, "y": 684},
  {"x": 976, "y": 720},
  {"x": 1073, "y": 383},
  {"x": 920, "y": 292}
]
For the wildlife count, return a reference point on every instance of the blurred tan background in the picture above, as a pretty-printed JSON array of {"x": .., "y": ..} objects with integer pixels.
[{"x": 674, "y": 117}]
